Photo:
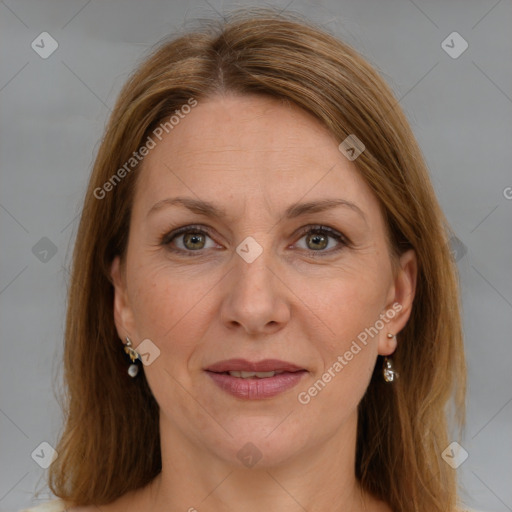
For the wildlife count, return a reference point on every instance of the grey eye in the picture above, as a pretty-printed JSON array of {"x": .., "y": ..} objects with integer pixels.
[
  {"x": 196, "y": 240},
  {"x": 318, "y": 240}
]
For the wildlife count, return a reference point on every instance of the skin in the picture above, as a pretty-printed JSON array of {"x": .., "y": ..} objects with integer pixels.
[{"x": 254, "y": 156}]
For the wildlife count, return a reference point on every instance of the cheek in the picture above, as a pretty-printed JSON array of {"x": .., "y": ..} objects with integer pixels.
[
  {"x": 348, "y": 305},
  {"x": 349, "y": 349},
  {"x": 166, "y": 301}
]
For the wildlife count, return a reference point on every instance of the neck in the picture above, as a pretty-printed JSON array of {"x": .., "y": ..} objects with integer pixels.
[{"x": 320, "y": 477}]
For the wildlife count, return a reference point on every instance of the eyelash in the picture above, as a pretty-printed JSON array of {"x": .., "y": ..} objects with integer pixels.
[{"x": 317, "y": 229}]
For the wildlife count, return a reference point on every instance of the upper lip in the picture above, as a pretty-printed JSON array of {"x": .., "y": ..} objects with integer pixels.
[{"x": 267, "y": 365}]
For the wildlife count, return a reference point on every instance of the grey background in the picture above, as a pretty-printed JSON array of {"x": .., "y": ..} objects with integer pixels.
[{"x": 53, "y": 114}]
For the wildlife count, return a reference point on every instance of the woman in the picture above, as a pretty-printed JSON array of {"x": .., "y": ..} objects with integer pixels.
[{"x": 264, "y": 311}]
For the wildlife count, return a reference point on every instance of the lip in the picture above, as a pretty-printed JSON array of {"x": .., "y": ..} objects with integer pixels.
[
  {"x": 255, "y": 388},
  {"x": 267, "y": 365}
]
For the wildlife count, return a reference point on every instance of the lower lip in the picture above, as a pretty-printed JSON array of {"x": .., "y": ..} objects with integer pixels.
[{"x": 254, "y": 388}]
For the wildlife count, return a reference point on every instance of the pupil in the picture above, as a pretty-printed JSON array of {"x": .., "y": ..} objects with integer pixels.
[
  {"x": 194, "y": 238},
  {"x": 315, "y": 239}
]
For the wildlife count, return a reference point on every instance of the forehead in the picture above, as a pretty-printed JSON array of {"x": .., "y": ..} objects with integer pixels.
[{"x": 253, "y": 149}]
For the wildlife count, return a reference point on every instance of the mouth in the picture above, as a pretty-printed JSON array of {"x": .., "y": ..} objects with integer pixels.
[
  {"x": 242, "y": 365},
  {"x": 248, "y": 375},
  {"x": 255, "y": 380}
]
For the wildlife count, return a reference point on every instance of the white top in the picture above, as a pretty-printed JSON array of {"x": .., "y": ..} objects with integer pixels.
[{"x": 57, "y": 505}]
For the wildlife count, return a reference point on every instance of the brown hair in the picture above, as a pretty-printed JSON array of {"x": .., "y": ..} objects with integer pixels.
[{"x": 402, "y": 427}]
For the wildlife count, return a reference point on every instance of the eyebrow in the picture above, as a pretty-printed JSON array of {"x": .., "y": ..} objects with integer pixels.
[{"x": 295, "y": 210}]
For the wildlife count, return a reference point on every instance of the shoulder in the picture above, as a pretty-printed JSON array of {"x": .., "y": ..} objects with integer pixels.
[
  {"x": 55, "y": 505},
  {"x": 58, "y": 505}
]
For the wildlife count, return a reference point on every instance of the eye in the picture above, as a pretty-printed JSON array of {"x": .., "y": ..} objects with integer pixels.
[
  {"x": 188, "y": 238},
  {"x": 192, "y": 239},
  {"x": 317, "y": 239}
]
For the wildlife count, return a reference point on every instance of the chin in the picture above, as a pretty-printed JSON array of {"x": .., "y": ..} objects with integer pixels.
[{"x": 260, "y": 442}]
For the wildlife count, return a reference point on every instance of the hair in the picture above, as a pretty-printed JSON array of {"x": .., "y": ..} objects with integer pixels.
[{"x": 402, "y": 427}]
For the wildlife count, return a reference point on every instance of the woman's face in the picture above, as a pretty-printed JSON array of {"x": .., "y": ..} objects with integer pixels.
[{"x": 308, "y": 289}]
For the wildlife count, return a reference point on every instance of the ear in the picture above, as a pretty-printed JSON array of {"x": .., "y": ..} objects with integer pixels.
[
  {"x": 123, "y": 315},
  {"x": 400, "y": 301}
]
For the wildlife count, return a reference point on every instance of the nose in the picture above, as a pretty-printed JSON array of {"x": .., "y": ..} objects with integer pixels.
[{"x": 256, "y": 298}]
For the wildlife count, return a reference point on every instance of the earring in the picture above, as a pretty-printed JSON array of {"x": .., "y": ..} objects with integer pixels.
[
  {"x": 389, "y": 373},
  {"x": 133, "y": 370}
]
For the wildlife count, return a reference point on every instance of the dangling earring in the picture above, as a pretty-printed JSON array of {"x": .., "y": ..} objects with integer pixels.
[
  {"x": 133, "y": 370},
  {"x": 389, "y": 373}
]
